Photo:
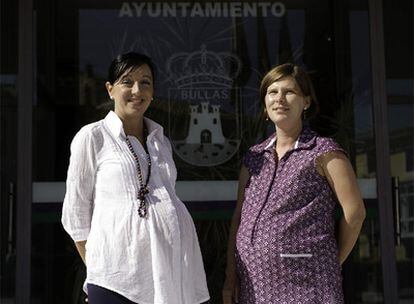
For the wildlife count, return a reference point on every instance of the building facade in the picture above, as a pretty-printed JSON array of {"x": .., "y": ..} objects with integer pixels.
[{"x": 210, "y": 57}]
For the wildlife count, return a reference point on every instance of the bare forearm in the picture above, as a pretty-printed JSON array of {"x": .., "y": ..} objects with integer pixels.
[
  {"x": 342, "y": 180},
  {"x": 347, "y": 237},
  {"x": 80, "y": 246}
]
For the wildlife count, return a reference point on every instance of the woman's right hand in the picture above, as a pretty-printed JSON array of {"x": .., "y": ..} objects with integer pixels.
[
  {"x": 231, "y": 289},
  {"x": 81, "y": 247}
]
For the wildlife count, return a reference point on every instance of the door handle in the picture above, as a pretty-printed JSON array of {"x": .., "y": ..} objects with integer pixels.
[{"x": 396, "y": 201}]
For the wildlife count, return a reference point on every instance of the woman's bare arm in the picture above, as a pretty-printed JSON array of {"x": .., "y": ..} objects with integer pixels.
[{"x": 341, "y": 177}]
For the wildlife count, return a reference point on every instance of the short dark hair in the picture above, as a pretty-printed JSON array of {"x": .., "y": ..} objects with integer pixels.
[
  {"x": 127, "y": 62},
  {"x": 302, "y": 79}
]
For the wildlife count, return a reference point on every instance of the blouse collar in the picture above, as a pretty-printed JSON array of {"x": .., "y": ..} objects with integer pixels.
[
  {"x": 115, "y": 126},
  {"x": 306, "y": 140}
]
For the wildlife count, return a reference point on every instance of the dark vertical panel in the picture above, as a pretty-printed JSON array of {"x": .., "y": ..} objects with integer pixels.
[
  {"x": 8, "y": 145},
  {"x": 45, "y": 77},
  {"x": 8, "y": 32},
  {"x": 319, "y": 56},
  {"x": 68, "y": 110},
  {"x": 383, "y": 154},
  {"x": 343, "y": 73},
  {"x": 398, "y": 35},
  {"x": 24, "y": 144}
]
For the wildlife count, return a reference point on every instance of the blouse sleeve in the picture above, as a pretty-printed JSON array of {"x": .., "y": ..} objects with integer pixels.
[
  {"x": 247, "y": 160},
  {"x": 78, "y": 203},
  {"x": 327, "y": 145}
]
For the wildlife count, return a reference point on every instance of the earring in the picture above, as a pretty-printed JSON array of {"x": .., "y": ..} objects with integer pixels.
[
  {"x": 152, "y": 98},
  {"x": 267, "y": 116},
  {"x": 304, "y": 116},
  {"x": 111, "y": 98}
]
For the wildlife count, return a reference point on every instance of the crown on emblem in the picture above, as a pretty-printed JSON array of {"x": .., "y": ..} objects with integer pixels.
[{"x": 203, "y": 68}]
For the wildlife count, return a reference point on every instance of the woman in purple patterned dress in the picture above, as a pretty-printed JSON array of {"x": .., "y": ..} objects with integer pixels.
[{"x": 282, "y": 243}]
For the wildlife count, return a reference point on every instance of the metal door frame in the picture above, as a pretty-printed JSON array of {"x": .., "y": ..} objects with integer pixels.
[{"x": 383, "y": 163}]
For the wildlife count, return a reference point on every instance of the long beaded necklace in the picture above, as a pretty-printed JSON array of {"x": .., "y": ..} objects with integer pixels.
[{"x": 143, "y": 188}]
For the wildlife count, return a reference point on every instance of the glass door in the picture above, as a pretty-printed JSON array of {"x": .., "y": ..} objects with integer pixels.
[
  {"x": 400, "y": 102},
  {"x": 353, "y": 122}
]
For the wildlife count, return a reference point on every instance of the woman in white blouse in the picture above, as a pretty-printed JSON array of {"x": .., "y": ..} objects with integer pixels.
[{"x": 135, "y": 236}]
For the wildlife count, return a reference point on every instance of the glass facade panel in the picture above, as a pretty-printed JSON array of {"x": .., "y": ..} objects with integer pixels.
[
  {"x": 398, "y": 27},
  {"x": 362, "y": 271},
  {"x": 210, "y": 58}
]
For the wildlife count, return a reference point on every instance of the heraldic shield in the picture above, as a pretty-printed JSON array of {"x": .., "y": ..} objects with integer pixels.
[{"x": 207, "y": 104}]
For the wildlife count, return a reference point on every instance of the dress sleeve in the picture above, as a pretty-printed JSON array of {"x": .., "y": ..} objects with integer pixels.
[
  {"x": 250, "y": 160},
  {"x": 247, "y": 160},
  {"x": 327, "y": 145},
  {"x": 78, "y": 203}
]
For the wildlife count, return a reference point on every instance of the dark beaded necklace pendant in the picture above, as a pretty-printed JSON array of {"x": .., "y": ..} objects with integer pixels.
[{"x": 143, "y": 188}]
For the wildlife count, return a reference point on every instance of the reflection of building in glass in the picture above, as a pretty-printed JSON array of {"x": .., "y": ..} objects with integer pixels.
[
  {"x": 401, "y": 157},
  {"x": 205, "y": 124},
  {"x": 400, "y": 153}
]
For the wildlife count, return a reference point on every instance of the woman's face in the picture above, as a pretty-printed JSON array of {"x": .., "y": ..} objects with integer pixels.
[
  {"x": 285, "y": 102},
  {"x": 132, "y": 92}
]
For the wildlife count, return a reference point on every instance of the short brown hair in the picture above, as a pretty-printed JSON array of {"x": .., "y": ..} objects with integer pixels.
[{"x": 302, "y": 79}]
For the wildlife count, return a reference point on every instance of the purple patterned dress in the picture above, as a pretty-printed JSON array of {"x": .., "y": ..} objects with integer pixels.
[{"x": 286, "y": 249}]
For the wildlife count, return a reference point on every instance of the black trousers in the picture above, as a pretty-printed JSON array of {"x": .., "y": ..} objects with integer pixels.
[{"x": 100, "y": 295}]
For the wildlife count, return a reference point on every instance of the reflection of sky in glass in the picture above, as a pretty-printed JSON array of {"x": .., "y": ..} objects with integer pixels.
[
  {"x": 400, "y": 115},
  {"x": 361, "y": 72}
]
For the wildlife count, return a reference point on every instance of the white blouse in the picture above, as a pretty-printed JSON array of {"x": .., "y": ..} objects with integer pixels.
[{"x": 156, "y": 259}]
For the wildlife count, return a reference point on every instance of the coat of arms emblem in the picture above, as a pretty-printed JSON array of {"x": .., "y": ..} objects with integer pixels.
[{"x": 203, "y": 90}]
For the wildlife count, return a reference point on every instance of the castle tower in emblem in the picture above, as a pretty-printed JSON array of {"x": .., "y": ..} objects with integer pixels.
[
  {"x": 203, "y": 80},
  {"x": 205, "y": 125}
]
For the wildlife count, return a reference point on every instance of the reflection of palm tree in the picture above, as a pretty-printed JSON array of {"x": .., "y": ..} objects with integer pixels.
[{"x": 341, "y": 125}]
